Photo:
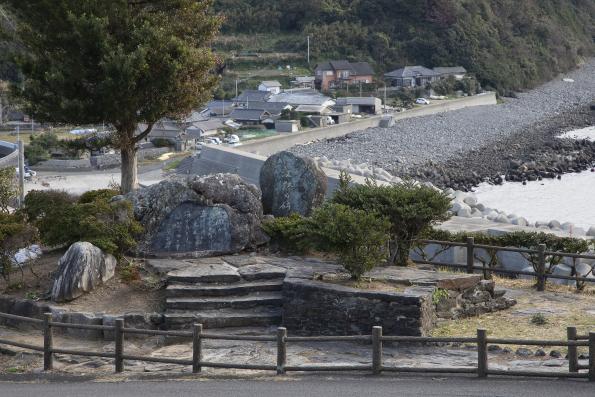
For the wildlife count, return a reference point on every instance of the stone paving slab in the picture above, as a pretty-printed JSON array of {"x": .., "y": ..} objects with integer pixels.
[
  {"x": 411, "y": 276},
  {"x": 206, "y": 273},
  {"x": 164, "y": 266},
  {"x": 261, "y": 272}
]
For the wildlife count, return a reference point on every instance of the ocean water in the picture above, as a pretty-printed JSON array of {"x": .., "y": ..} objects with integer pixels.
[{"x": 571, "y": 199}]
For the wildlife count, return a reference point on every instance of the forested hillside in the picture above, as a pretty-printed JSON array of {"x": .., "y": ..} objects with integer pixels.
[{"x": 508, "y": 44}]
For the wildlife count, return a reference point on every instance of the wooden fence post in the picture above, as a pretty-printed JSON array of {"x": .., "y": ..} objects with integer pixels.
[
  {"x": 591, "y": 356},
  {"x": 196, "y": 348},
  {"x": 377, "y": 350},
  {"x": 48, "y": 342},
  {"x": 572, "y": 350},
  {"x": 281, "y": 350},
  {"x": 541, "y": 267},
  {"x": 470, "y": 254},
  {"x": 482, "y": 353},
  {"x": 119, "y": 337}
]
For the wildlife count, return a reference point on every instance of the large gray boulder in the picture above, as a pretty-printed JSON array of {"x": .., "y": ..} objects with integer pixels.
[
  {"x": 291, "y": 184},
  {"x": 216, "y": 214},
  {"x": 82, "y": 268}
]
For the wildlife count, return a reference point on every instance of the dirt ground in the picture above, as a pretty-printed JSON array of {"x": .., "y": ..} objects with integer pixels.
[
  {"x": 114, "y": 297},
  {"x": 537, "y": 315}
]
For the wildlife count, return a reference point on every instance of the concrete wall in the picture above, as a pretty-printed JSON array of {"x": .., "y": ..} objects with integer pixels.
[
  {"x": 63, "y": 165},
  {"x": 274, "y": 144},
  {"x": 12, "y": 160}
]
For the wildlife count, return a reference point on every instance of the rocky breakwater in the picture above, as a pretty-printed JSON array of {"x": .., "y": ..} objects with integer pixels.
[{"x": 216, "y": 214}]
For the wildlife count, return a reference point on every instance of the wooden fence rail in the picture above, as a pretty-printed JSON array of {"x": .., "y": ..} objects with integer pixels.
[
  {"x": 281, "y": 339},
  {"x": 541, "y": 272}
]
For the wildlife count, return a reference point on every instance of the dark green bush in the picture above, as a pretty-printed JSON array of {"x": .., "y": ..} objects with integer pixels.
[
  {"x": 411, "y": 209},
  {"x": 15, "y": 233},
  {"x": 100, "y": 194},
  {"x": 63, "y": 221},
  {"x": 161, "y": 142},
  {"x": 358, "y": 238}
]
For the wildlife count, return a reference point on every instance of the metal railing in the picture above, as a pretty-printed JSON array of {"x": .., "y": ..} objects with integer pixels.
[
  {"x": 541, "y": 274},
  {"x": 197, "y": 336}
]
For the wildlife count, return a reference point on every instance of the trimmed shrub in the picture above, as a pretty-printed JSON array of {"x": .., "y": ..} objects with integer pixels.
[
  {"x": 63, "y": 221},
  {"x": 358, "y": 238},
  {"x": 411, "y": 209}
]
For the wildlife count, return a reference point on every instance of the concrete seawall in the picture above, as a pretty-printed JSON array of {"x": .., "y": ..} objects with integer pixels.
[{"x": 277, "y": 143}]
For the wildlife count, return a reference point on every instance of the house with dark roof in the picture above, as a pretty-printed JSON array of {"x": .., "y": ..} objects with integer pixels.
[
  {"x": 273, "y": 108},
  {"x": 249, "y": 116},
  {"x": 219, "y": 108},
  {"x": 337, "y": 73},
  {"x": 458, "y": 72},
  {"x": 248, "y": 96},
  {"x": 411, "y": 77}
]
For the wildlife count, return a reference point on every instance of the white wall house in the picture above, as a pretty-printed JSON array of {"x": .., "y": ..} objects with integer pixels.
[{"x": 274, "y": 87}]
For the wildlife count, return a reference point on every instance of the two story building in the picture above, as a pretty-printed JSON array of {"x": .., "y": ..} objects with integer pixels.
[{"x": 334, "y": 74}]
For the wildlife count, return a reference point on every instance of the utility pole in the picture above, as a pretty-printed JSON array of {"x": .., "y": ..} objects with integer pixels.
[
  {"x": 360, "y": 88},
  {"x": 21, "y": 173},
  {"x": 308, "y": 49},
  {"x": 236, "y": 89}
]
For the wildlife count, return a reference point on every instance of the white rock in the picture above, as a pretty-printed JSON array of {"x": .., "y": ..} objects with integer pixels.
[
  {"x": 591, "y": 231},
  {"x": 520, "y": 221},
  {"x": 470, "y": 200},
  {"x": 561, "y": 270},
  {"x": 525, "y": 276},
  {"x": 583, "y": 269},
  {"x": 464, "y": 213},
  {"x": 476, "y": 214},
  {"x": 554, "y": 224},
  {"x": 567, "y": 226},
  {"x": 82, "y": 268},
  {"x": 502, "y": 219}
]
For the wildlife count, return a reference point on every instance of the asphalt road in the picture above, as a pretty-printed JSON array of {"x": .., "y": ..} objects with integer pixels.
[{"x": 310, "y": 386}]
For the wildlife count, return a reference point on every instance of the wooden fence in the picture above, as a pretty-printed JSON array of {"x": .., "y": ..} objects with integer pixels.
[
  {"x": 281, "y": 339},
  {"x": 541, "y": 273}
]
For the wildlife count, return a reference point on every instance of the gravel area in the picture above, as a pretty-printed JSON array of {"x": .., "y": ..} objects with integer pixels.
[{"x": 445, "y": 136}]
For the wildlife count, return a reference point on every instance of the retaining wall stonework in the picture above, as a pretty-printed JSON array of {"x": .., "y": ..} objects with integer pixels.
[{"x": 319, "y": 308}]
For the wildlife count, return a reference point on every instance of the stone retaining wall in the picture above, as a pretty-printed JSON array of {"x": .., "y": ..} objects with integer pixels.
[
  {"x": 319, "y": 308},
  {"x": 29, "y": 308}
]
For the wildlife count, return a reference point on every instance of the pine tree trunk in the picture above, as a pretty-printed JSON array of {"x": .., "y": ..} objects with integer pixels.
[{"x": 129, "y": 171}]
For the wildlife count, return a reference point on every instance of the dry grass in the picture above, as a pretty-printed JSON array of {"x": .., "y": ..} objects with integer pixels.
[
  {"x": 367, "y": 285},
  {"x": 561, "y": 306},
  {"x": 26, "y": 136}
]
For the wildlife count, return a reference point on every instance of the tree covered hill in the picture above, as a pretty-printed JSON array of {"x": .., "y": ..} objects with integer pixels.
[{"x": 508, "y": 44}]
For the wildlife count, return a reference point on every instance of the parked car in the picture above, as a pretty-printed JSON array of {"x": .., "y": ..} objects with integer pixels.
[
  {"x": 422, "y": 101},
  {"x": 233, "y": 139},
  {"x": 213, "y": 141},
  {"x": 29, "y": 173}
]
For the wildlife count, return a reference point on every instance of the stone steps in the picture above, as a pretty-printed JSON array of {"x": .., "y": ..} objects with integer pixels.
[
  {"x": 222, "y": 302},
  {"x": 224, "y": 292},
  {"x": 222, "y": 318},
  {"x": 177, "y": 290}
]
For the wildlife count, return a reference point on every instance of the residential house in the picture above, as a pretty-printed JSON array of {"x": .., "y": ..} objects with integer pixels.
[
  {"x": 206, "y": 127},
  {"x": 248, "y": 96},
  {"x": 458, "y": 72},
  {"x": 339, "y": 73},
  {"x": 274, "y": 87},
  {"x": 313, "y": 109},
  {"x": 369, "y": 105},
  {"x": 220, "y": 108},
  {"x": 172, "y": 132},
  {"x": 249, "y": 116},
  {"x": 302, "y": 97},
  {"x": 411, "y": 77},
  {"x": 273, "y": 108},
  {"x": 304, "y": 82}
]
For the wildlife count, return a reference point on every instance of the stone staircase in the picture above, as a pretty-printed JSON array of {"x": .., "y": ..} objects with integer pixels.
[{"x": 218, "y": 294}]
